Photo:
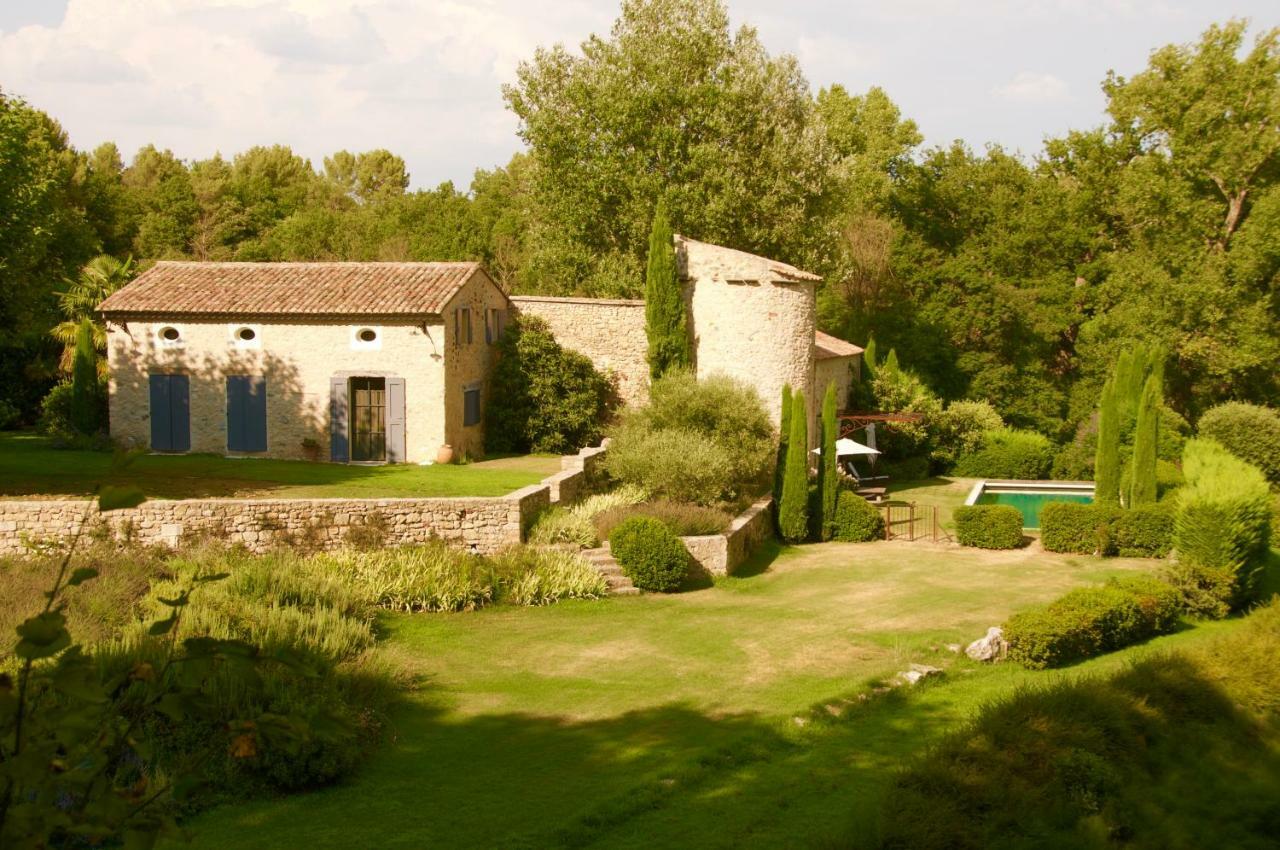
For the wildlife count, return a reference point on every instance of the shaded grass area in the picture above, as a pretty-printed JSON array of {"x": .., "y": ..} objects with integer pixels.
[
  {"x": 727, "y": 717},
  {"x": 31, "y": 468}
]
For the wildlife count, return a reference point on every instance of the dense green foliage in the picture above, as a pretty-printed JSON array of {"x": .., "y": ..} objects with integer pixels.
[
  {"x": 784, "y": 434},
  {"x": 542, "y": 397},
  {"x": 1092, "y": 620},
  {"x": 1008, "y": 453},
  {"x": 793, "y": 507},
  {"x": 684, "y": 519},
  {"x": 1148, "y": 753},
  {"x": 1145, "y": 531},
  {"x": 988, "y": 526},
  {"x": 86, "y": 397},
  {"x": 1141, "y": 474},
  {"x": 1248, "y": 431},
  {"x": 1106, "y": 464},
  {"x": 665, "y": 324},
  {"x": 856, "y": 520},
  {"x": 959, "y": 429},
  {"x": 828, "y": 471},
  {"x": 650, "y": 554},
  {"x": 1221, "y": 531},
  {"x": 1078, "y": 528},
  {"x": 703, "y": 441}
]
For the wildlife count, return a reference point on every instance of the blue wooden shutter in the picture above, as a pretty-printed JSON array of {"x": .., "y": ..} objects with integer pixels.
[
  {"x": 180, "y": 412},
  {"x": 395, "y": 420},
  {"x": 338, "y": 451},
  {"x": 161, "y": 433},
  {"x": 246, "y": 413}
]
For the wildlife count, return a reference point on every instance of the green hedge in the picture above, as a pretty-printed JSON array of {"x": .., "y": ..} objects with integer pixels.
[
  {"x": 1008, "y": 453},
  {"x": 988, "y": 526},
  {"x": 650, "y": 554},
  {"x": 857, "y": 520},
  {"x": 1077, "y": 528},
  {"x": 1221, "y": 530},
  {"x": 1092, "y": 620},
  {"x": 1248, "y": 431},
  {"x": 1142, "y": 532}
]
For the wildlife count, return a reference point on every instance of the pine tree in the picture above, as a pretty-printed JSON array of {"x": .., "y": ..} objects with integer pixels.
[
  {"x": 1142, "y": 476},
  {"x": 84, "y": 382},
  {"x": 784, "y": 429},
  {"x": 666, "y": 325},
  {"x": 828, "y": 476},
  {"x": 1106, "y": 468},
  {"x": 793, "y": 508}
]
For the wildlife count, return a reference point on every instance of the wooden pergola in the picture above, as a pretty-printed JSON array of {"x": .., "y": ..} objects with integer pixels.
[{"x": 850, "y": 421}]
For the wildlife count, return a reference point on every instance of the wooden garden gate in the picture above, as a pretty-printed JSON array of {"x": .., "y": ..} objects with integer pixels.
[{"x": 909, "y": 521}]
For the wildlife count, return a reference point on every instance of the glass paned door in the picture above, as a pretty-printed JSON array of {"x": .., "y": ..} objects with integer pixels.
[{"x": 368, "y": 419}]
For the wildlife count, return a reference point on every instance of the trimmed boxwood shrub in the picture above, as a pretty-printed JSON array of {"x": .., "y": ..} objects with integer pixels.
[
  {"x": 989, "y": 526},
  {"x": 1077, "y": 528},
  {"x": 1090, "y": 621},
  {"x": 1008, "y": 453},
  {"x": 650, "y": 554},
  {"x": 1142, "y": 532},
  {"x": 1248, "y": 431},
  {"x": 857, "y": 520}
]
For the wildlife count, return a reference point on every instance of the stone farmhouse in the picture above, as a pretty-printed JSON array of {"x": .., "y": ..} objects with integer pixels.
[{"x": 388, "y": 362}]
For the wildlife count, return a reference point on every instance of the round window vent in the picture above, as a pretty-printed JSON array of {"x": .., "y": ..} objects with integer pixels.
[
  {"x": 246, "y": 335},
  {"x": 367, "y": 335},
  {"x": 170, "y": 334}
]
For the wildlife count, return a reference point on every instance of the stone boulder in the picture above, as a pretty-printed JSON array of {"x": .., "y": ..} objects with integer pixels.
[{"x": 991, "y": 647}]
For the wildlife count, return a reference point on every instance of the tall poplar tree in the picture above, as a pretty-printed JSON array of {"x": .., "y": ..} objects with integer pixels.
[
  {"x": 828, "y": 477},
  {"x": 793, "y": 509},
  {"x": 666, "y": 325},
  {"x": 85, "y": 416}
]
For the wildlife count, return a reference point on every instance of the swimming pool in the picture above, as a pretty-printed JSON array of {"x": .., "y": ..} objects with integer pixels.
[{"x": 1029, "y": 496}]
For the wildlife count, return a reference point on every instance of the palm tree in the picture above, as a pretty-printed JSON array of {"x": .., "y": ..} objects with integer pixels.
[{"x": 102, "y": 276}]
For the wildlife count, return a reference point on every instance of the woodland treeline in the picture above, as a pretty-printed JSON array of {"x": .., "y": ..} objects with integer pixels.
[{"x": 1016, "y": 280}]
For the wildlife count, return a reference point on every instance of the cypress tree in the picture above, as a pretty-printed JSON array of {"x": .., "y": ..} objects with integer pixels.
[
  {"x": 84, "y": 382},
  {"x": 828, "y": 475},
  {"x": 666, "y": 325},
  {"x": 891, "y": 362},
  {"x": 793, "y": 509},
  {"x": 784, "y": 428},
  {"x": 869, "y": 362},
  {"x": 1142, "y": 478},
  {"x": 1106, "y": 466}
]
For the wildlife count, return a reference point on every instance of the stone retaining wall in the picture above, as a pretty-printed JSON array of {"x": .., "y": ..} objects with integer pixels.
[
  {"x": 579, "y": 475},
  {"x": 481, "y": 524},
  {"x": 721, "y": 554}
]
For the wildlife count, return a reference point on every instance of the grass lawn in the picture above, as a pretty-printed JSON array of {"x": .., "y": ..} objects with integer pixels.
[
  {"x": 946, "y": 493},
  {"x": 725, "y": 717},
  {"x": 31, "y": 468}
]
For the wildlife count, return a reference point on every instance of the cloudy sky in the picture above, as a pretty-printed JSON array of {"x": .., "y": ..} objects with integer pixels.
[{"x": 423, "y": 77}]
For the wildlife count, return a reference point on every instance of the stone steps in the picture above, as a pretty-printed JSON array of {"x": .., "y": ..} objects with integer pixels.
[{"x": 602, "y": 559}]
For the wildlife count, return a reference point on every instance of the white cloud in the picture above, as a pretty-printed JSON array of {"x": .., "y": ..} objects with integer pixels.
[{"x": 1030, "y": 87}]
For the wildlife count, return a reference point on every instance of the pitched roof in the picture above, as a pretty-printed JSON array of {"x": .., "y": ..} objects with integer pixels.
[
  {"x": 291, "y": 289},
  {"x": 726, "y": 259},
  {"x": 827, "y": 346}
]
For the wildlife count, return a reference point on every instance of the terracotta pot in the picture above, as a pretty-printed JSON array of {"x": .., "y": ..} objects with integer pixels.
[{"x": 445, "y": 454}]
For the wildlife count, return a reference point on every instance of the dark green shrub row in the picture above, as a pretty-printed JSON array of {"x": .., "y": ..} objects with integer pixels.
[
  {"x": 650, "y": 554},
  {"x": 1008, "y": 453},
  {"x": 1107, "y": 529},
  {"x": 1221, "y": 531},
  {"x": 988, "y": 526},
  {"x": 1076, "y": 764},
  {"x": 857, "y": 520},
  {"x": 1092, "y": 620}
]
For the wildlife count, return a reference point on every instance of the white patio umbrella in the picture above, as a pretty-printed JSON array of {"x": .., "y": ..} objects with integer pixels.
[{"x": 846, "y": 447}]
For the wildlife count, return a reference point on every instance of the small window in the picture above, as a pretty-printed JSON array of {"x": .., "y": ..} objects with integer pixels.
[
  {"x": 366, "y": 338},
  {"x": 462, "y": 325},
  {"x": 471, "y": 406},
  {"x": 246, "y": 336},
  {"x": 169, "y": 337},
  {"x": 466, "y": 321},
  {"x": 493, "y": 326}
]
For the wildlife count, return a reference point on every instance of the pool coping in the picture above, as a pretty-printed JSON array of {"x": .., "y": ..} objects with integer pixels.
[{"x": 1019, "y": 485}]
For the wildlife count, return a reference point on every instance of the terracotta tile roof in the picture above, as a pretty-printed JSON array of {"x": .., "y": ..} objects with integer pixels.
[
  {"x": 291, "y": 289},
  {"x": 827, "y": 346}
]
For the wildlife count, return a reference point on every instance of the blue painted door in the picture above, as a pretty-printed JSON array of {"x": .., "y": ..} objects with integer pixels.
[
  {"x": 170, "y": 413},
  {"x": 246, "y": 413},
  {"x": 339, "y": 452}
]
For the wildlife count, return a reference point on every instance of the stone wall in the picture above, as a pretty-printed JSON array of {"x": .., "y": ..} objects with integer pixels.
[
  {"x": 721, "y": 554},
  {"x": 579, "y": 475},
  {"x": 610, "y": 333},
  {"x": 481, "y": 524}
]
